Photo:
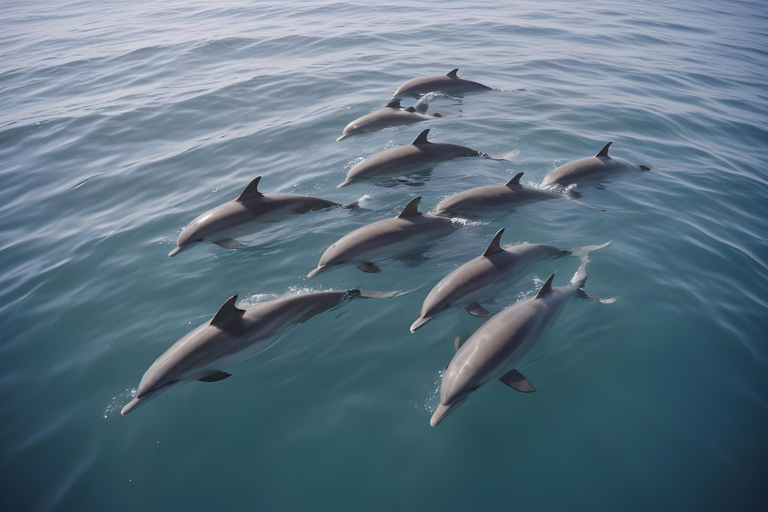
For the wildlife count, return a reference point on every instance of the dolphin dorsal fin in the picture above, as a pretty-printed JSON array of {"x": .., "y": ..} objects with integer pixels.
[
  {"x": 604, "y": 152},
  {"x": 422, "y": 138},
  {"x": 453, "y": 73},
  {"x": 393, "y": 103},
  {"x": 515, "y": 181},
  {"x": 227, "y": 311},
  {"x": 252, "y": 190},
  {"x": 495, "y": 245},
  {"x": 411, "y": 209},
  {"x": 546, "y": 289}
]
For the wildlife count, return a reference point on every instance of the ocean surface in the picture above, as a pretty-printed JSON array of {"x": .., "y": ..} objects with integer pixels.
[{"x": 120, "y": 122}]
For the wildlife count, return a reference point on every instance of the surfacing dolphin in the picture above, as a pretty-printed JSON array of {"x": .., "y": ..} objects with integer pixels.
[
  {"x": 586, "y": 169},
  {"x": 476, "y": 200},
  {"x": 404, "y": 159},
  {"x": 450, "y": 83},
  {"x": 499, "y": 346},
  {"x": 245, "y": 215},
  {"x": 387, "y": 238},
  {"x": 391, "y": 115},
  {"x": 476, "y": 280},
  {"x": 233, "y": 335}
]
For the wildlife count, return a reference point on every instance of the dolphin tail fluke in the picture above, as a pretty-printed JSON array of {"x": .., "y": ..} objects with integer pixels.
[{"x": 584, "y": 251}]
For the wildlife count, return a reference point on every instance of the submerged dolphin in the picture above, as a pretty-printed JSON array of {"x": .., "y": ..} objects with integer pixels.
[
  {"x": 475, "y": 200},
  {"x": 231, "y": 336},
  {"x": 499, "y": 346},
  {"x": 591, "y": 168},
  {"x": 391, "y": 115},
  {"x": 477, "y": 279},
  {"x": 245, "y": 215},
  {"x": 449, "y": 83},
  {"x": 384, "y": 239},
  {"x": 403, "y": 159}
]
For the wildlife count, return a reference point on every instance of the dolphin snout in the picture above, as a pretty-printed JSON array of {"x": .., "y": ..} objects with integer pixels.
[
  {"x": 131, "y": 405},
  {"x": 440, "y": 413},
  {"x": 343, "y": 136},
  {"x": 420, "y": 322},
  {"x": 174, "y": 252},
  {"x": 317, "y": 271}
]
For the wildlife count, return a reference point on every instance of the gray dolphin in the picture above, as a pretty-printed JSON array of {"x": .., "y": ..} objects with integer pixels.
[
  {"x": 499, "y": 346},
  {"x": 591, "y": 168},
  {"x": 475, "y": 200},
  {"x": 245, "y": 215},
  {"x": 450, "y": 83},
  {"x": 477, "y": 279},
  {"x": 385, "y": 239},
  {"x": 404, "y": 159},
  {"x": 391, "y": 115},
  {"x": 233, "y": 335}
]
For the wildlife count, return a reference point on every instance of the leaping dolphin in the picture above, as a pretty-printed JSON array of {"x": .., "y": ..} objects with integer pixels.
[
  {"x": 591, "y": 168},
  {"x": 391, "y": 115},
  {"x": 233, "y": 335},
  {"x": 245, "y": 215},
  {"x": 404, "y": 159},
  {"x": 476, "y": 280},
  {"x": 385, "y": 239},
  {"x": 474, "y": 201},
  {"x": 449, "y": 83},
  {"x": 499, "y": 346}
]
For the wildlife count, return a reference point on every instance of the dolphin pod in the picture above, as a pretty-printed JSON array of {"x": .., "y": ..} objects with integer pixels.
[
  {"x": 392, "y": 114},
  {"x": 476, "y": 200},
  {"x": 233, "y": 335},
  {"x": 245, "y": 215},
  {"x": 449, "y": 83},
  {"x": 499, "y": 346},
  {"x": 590, "y": 168},
  {"x": 404, "y": 159},
  {"x": 477, "y": 279},
  {"x": 384, "y": 239}
]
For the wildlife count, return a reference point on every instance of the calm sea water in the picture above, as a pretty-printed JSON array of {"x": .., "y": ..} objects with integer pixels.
[{"x": 121, "y": 122}]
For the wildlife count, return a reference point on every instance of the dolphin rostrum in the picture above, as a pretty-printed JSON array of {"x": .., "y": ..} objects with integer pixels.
[
  {"x": 404, "y": 159},
  {"x": 391, "y": 115},
  {"x": 245, "y": 215},
  {"x": 233, "y": 335},
  {"x": 499, "y": 346},
  {"x": 477, "y": 279},
  {"x": 449, "y": 83},
  {"x": 475, "y": 200},
  {"x": 385, "y": 239},
  {"x": 590, "y": 168}
]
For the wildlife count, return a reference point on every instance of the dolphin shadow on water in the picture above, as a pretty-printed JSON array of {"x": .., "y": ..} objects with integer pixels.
[
  {"x": 235, "y": 334},
  {"x": 495, "y": 350}
]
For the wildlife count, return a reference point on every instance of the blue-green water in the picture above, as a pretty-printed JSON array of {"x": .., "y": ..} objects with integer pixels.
[{"x": 121, "y": 122}]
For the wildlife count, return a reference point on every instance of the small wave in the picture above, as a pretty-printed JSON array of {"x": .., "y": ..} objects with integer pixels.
[{"x": 119, "y": 401}]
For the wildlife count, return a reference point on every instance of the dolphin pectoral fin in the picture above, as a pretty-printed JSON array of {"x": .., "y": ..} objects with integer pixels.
[
  {"x": 228, "y": 243},
  {"x": 645, "y": 168},
  {"x": 477, "y": 310},
  {"x": 216, "y": 376},
  {"x": 516, "y": 381},
  {"x": 369, "y": 268},
  {"x": 584, "y": 295}
]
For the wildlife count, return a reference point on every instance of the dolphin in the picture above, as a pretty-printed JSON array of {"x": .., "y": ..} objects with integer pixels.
[
  {"x": 449, "y": 83},
  {"x": 499, "y": 346},
  {"x": 404, "y": 159},
  {"x": 391, "y": 115},
  {"x": 591, "y": 168},
  {"x": 245, "y": 215},
  {"x": 233, "y": 335},
  {"x": 475, "y": 200},
  {"x": 384, "y": 239},
  {"x": 477, "y": 279}
]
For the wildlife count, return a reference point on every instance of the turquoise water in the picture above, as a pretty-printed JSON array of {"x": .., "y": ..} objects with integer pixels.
[{"x": 121, "y": 122}]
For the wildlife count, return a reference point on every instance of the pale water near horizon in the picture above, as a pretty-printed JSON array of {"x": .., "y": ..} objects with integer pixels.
[{"x": 121, "y": 122}]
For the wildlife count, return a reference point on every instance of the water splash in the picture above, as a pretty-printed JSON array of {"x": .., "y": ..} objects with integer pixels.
[
  {"x": 118, "y": 401},
  {"x": 432, "y": 399}
]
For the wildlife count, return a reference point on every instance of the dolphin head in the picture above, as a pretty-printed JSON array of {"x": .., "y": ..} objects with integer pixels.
[
  {"x": 212, "y": 226},
  {"x": 152, "y": 384},
  {"x": 442, "y": 411}
]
